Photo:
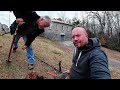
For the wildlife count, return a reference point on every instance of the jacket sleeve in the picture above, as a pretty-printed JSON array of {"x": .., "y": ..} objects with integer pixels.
[
  {"x": 34, "y": 15},
  {"x": 29, "y": 16},
  {"x": 31, "y": 37},
  {"x": 99, "y": 65},
  {"x": 13, "y": 27}
]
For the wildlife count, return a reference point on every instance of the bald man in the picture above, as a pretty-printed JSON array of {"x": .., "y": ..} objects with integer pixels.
[{"x": 89, "y": 61}]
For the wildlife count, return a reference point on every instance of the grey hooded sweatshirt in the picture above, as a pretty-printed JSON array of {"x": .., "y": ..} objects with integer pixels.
[{"x": 90, "y": 62}]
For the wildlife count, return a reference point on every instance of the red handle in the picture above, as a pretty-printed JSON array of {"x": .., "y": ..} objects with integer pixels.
[{"x": 53, "y": 74}]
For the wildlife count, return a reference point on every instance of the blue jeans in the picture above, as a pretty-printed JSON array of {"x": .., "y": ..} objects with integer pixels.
[{"x": 29, "y": 50}]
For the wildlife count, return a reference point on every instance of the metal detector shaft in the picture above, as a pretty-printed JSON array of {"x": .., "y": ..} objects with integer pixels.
[{"x": 12, "y": 44}]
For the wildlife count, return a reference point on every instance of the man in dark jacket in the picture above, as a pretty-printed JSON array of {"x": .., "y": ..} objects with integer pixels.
[
  {"x": 30, "y": 26},
  {"x": 89, "y": 61}
]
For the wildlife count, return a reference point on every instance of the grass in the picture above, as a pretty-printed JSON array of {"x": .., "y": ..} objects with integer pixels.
[
  {"x": 49, "y": 51},
  {"x": 10, "y": 67},
  {"x": 44, "y": 49}
]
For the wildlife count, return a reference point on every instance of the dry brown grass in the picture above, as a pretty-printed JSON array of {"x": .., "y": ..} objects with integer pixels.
[
  {"x": 115, "y": 72},
  {"x": 44, "y": 49},
  {"x": 47, "y": 50}
]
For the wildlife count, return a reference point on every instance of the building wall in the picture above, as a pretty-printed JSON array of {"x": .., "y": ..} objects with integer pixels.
[
  {"x": 0, "y": 27},
  {"x": 4, "y": 28},
  {"x": 59, "y": 31}
]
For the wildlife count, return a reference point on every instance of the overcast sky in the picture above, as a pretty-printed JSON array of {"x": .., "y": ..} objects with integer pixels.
[{"x": 7, "y": 17}]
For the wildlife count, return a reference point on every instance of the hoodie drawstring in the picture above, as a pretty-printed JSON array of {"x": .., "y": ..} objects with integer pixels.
[{"x": 78, "y": 58}]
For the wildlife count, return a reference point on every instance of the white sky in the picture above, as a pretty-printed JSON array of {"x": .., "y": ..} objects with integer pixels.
[{"x": 7, "y": 17}]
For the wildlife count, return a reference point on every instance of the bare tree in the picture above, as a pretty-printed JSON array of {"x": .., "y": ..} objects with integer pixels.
[
  {"x": 62, "y": 15},
  {"x": 109, "y": 21},
  {"x": 117, "y": 24},
  {"x": 100, "y": 16}
]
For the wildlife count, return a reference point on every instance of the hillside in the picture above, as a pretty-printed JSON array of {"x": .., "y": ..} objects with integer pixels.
[
  {"x": 45, "y": 50},
  {"x": 49, "y": 51}
]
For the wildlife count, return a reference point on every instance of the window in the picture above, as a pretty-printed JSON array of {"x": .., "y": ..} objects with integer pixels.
[
  {"x": 62, "y": 28},
  {"x": 51, "y": 26}
]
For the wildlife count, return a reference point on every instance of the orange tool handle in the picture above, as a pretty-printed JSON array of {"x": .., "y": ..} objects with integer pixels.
[{"x": 53, "y": 74}]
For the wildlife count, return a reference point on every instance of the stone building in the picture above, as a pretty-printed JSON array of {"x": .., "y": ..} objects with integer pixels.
[{"x": 59, "y": 31}]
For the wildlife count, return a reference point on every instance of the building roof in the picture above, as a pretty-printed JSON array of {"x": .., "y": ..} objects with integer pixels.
[{"x": 57, "y": 21}]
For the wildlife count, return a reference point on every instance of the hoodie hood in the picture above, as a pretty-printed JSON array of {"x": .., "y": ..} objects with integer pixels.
[{"x": 92, "y": 43}]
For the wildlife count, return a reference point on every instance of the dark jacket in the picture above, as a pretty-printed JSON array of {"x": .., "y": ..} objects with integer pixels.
[
  {"x": 92, "y": 63},
  {"x": 29, "y": 28}
]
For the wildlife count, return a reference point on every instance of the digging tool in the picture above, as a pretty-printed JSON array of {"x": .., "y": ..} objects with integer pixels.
[
  {"x": 8, "y": 60},
  {"x": 60, "y": 69},
  {"x": 53, "y": 74},
  {"x": 43, "y": 61}
]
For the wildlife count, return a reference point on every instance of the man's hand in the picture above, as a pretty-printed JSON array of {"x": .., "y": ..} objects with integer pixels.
[
  {"x": 66, "y": 71},
  {"x": 24, "y": 47},
  {"x": 20, "y": 21}
]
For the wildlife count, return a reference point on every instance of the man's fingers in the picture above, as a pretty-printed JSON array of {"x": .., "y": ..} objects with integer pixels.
[
  {"x": 19, "y": 20},
  {"x": 24, "y": 47},
  {"x": 20, "y": 23},
  {"x": 66, "y": 71}
]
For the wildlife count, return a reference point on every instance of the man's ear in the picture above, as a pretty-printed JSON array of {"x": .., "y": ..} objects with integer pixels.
[
  {"x": 38, "y": 20},
  {"x": 41, "y": 19}
]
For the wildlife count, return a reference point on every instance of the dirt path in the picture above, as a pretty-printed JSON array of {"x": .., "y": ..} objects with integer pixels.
[
  {"x": 114, "y": 63},
  {"x": 112, "y": 54}
]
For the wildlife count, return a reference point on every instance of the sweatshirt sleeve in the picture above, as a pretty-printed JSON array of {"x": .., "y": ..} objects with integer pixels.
[{"x": 99, "y": 65}]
